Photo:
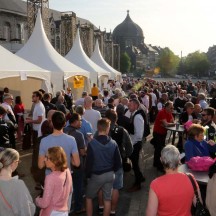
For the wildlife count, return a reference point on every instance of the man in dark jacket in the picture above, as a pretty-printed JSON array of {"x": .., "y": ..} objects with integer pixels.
[
  {"x": 103, "y": 159},
  {"x": 123, "y": 140},
  {"x": 46, "y": 102}
]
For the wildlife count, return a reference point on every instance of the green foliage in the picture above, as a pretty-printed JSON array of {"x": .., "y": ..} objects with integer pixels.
[
  {"x": 196, "y": 64},
  {"x": 125, "y": 63},
  {"x": 168, "y": 62}
]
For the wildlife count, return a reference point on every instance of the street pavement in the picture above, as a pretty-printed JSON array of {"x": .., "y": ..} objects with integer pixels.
[{"x": 130, "y": 204}]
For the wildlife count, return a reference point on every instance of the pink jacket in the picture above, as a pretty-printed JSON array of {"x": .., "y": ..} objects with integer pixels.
[{"x": 58, "y": 186}]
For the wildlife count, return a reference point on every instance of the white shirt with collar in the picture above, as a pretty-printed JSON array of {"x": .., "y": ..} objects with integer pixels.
[{"x": 138, "y": 128}]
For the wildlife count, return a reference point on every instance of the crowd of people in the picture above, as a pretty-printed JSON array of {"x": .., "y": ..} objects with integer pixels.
[{"x": 84, "y": 146}]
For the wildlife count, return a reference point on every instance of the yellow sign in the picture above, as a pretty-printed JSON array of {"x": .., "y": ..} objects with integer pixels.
[{"x": 78, "y": 81}]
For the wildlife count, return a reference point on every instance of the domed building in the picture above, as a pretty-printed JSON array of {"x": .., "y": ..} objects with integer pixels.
[
  {"x": 130, "y": 37},
  {"x": 128, "y": 33}
]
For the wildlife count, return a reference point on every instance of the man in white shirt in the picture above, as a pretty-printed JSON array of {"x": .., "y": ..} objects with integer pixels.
[
  {"x": 38, "y": 115},
  {"x": 91, "y": 115},
  {"x": 136, "y": 137}
]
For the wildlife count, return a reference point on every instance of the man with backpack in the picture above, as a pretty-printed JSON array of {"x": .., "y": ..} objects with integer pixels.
[
  {"x": 136, "y": 133},
  {"x": 122, "y": 138}
]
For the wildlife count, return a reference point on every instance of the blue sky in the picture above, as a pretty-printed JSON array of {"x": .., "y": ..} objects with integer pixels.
[{"x": 181, "y": 25}]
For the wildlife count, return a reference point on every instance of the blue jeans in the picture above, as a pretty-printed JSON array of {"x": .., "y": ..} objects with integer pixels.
[{"x": 78, "y": 188}]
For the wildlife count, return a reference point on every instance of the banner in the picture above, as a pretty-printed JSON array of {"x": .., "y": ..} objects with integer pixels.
[
  {"x": 78, "y": 81},
  {"x": 23, "y": 75}
]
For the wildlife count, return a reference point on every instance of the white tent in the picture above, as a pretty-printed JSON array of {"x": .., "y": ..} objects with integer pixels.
[
  {"x": 78, "y": 56},
  {"x": 21, "y": 76},
  {"x": 39, "y": 51},
  {"x": 98, "y": 59}
]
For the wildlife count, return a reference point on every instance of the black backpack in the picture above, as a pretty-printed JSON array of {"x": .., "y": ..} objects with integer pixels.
[
  {"x": 146, "y": 124},
  {"x": 117, "y": 134}
]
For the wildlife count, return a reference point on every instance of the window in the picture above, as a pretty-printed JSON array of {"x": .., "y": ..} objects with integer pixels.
[
  {"x": 7, "y": 31},
  {"x": 53, "y": 42},
  {"x": 18, "y": 32}
]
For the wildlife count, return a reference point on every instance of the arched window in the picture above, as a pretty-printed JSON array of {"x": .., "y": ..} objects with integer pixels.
[
  {"x": 7, "y": 31},
  {"x": 53, "y": 42},
  {"x": 18, "y": 32},
  {"x": 58, "y": 43}
]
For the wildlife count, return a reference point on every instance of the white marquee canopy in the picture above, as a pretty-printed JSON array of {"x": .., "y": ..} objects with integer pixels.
[
  {"x": 78, "y": 56},
  {"x": 39, "y": 51},
  {"x": 21, "y": 76},
  {"x": 98, "y": 59}
]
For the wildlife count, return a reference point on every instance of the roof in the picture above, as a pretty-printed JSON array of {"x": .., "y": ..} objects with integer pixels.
[
  {"x": 14, "y": 6},
  {"x": 57, "y": 17},
  {"x": 128, "y": 28},
  {"x": 20, "y": 7},
  {"x": 11, "y": 66}
]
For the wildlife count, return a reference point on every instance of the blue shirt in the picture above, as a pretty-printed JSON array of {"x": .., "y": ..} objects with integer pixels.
[
  {"x": 68, "y": 143},
  {"x": 86, "y": 128}
]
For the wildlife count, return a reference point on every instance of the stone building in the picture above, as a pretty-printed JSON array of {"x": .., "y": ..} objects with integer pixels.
[
  {"x": 62, "y": 25},
  {"x": 130, "y": 37}
]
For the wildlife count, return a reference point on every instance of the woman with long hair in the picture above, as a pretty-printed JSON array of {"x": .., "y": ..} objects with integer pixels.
[
  {"x": 58, "y": 185},
  {"x": 19, "y": 114}
]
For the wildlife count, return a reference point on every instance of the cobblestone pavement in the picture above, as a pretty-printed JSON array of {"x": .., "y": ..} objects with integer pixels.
[{"x": 130, "y": 204}]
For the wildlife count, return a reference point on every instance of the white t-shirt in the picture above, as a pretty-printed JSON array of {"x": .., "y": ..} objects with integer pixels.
[
  {"x": 92, "y": 116},
  {"x": 39, "y": 110}
]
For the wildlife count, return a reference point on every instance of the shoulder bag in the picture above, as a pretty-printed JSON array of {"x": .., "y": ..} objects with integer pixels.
[
  {"x": 199, "y": 210},
  {"x": 10, "y": 210}
]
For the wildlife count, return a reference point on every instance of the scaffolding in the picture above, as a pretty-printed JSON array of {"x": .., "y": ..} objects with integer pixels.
[{"x": 32, "y": 9}]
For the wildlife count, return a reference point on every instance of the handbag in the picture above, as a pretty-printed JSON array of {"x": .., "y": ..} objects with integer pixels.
[
  {"x": 199, "y": 209},
  {"x": 200, "y": 163}
]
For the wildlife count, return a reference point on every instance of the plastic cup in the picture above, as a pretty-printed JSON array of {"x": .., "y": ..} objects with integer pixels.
[{"x": 177, "y": 126}]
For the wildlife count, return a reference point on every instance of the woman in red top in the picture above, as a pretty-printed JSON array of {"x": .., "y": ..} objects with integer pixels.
[
  {"x": 19, "y": 113},
  {"x": 171, "y": 194}
]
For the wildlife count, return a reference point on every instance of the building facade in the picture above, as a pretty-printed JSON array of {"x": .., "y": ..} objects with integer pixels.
[{"x": 62, "y": 31}]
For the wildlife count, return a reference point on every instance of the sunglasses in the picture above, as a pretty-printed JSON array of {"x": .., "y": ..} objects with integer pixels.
[
  {"x": 46, "y": 157},
  {"x": 204, "y": 114}
]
